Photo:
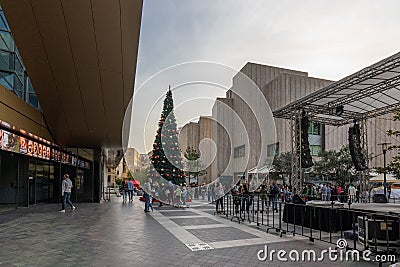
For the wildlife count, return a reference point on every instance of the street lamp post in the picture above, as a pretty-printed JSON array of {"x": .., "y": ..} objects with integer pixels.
[{"x": 384, "y": 149}]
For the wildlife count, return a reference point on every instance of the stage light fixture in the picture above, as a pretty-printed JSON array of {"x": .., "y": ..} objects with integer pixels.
[{"x": 339, "y": 110}]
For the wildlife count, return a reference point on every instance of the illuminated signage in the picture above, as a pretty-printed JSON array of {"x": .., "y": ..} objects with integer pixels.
[{"x": 19, "y": 144}]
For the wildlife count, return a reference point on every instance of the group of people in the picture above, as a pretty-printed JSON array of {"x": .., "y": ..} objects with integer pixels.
[
  {"x": 181, "y": 195},
  {"x": 327, "y": 192},
  {"x": 127, "y": 190},
  {"x": 270, "y": 194}
]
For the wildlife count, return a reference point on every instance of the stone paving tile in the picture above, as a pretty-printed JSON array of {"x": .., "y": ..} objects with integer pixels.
[
  {"x": 177, "y": 213},
  {"x": 116, "y": 234},
  {"x": 193, "y": 221},
  {"x": 220, "y": 234}
]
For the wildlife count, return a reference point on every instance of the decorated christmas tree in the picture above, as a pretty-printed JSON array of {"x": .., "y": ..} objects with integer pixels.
[{"x": 166, "y": 157}]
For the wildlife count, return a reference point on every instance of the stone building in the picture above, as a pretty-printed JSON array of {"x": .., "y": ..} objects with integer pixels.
[
  {"x": 198, "y": 135},
  {"x": 279, "y": 87}
]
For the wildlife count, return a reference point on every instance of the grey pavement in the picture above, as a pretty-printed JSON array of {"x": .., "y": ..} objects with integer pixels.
[{"x": 121, "y": 234}]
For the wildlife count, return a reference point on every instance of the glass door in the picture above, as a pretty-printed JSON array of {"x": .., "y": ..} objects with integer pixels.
[
  {"x": 52, "y": 197},
  {"x": 31, "y": 182}
]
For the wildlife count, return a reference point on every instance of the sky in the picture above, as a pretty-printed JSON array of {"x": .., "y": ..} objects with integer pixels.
[{"x": 327, "y": 39}]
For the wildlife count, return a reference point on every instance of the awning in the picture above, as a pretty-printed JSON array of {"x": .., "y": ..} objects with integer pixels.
[
  {"x": 390, "y": 178},
  {"x": 262, "y": 170},
  {"x": 253, "y": 170}
]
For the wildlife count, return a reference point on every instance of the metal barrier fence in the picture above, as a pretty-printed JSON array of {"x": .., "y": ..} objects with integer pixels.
[{"x": 362, "y": 230}]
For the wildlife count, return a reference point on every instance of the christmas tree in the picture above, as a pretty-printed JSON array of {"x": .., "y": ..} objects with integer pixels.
[{"x": 166, "y": 157}]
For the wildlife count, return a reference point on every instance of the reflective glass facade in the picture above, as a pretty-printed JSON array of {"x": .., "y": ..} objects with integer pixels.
[{"x": 13, "y": 75}]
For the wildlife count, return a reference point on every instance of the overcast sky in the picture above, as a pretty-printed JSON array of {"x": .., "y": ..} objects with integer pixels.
[{"x": 327, "y": 39}]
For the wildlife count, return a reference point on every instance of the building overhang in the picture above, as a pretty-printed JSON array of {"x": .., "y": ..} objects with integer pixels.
[{"x": 81, "y": 57}]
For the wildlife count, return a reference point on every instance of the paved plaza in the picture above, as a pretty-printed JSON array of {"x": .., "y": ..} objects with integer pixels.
[{"x": 121, "y": 234}]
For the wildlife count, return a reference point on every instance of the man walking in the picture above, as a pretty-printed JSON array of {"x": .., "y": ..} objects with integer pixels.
[
  {"x": 130, "y": 190},
  {"x": 220, "y": 197},
  {"x": 147, "y": 192},
  {"x": 66, "y": 187},
  {"x": 352, "y": 193}
]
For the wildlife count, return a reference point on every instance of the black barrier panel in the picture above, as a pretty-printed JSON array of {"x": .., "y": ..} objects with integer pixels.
[
  {"x": 322, "y": 218},
  {"x": 375, "y": 231}
]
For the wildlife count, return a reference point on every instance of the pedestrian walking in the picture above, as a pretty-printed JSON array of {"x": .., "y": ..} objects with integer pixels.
[
  {"x": 66, "y": 187},
  {"x": 184, "y": 195},
  {"x": 130, "y": 189},
  {"x": 147, "y": 192},
  {"x": 275, "y": 193},
  {"x": 124, "y": 190},
  {"x": 220, "y": 197}
]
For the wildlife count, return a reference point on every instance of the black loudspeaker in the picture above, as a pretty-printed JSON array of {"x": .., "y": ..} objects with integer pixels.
[
  {"x": 380, "y": 198},
  {"x": 357, "y": 157},
  {"x": 306, "y": 159},
  {"x": 298, "y": 200}
]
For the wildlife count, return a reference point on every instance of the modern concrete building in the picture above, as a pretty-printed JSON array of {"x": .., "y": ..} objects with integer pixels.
[
  {"x": 279, "y": 87},
  {"x": 81, "y": 59},
  {"x": 132, "y": 160},
  {"x": 198, "y": 135}
]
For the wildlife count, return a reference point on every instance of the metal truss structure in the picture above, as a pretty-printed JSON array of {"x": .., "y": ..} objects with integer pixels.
[
  {"x": 368, "y": 93},
  {"x": 297, "y": 172}
]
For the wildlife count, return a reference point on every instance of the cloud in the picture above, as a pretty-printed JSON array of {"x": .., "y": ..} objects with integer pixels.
[{"x": 328, "y": 39}]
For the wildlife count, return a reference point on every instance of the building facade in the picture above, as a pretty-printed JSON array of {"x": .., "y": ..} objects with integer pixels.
[
  {"x": 83, "y": 86},
  {"x": 198, "y": 135},
  {"x": 279, "y": 87}
]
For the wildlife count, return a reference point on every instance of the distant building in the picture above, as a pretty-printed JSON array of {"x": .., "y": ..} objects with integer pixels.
[
  {"x": 132, "y": 159},
  {"x": 198, "y": 135},
  {"x": 145, "y": 161},
  {"x": 130, "y": 163},
  {"x": 279, "y": 87}
]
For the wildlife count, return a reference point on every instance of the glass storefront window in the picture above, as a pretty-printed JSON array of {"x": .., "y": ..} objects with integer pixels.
[
  {"x": 19, "y": 69},
  {"x": 314, "y": 128},
  {"x": 51, "y": 172},
  {"x": 6, "y": 60},
  {"x": 6, "y": 41},
  {"x": 315, "y": 150},
  {"x": 19, "y": 87},
  {"x": 42, "y": 182},
  {"x": 32, "y": 100},
  {"x": 3, "y": 23},
  {"x": 7, "y": 80},
  {"x": 11, "y": 62}
]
